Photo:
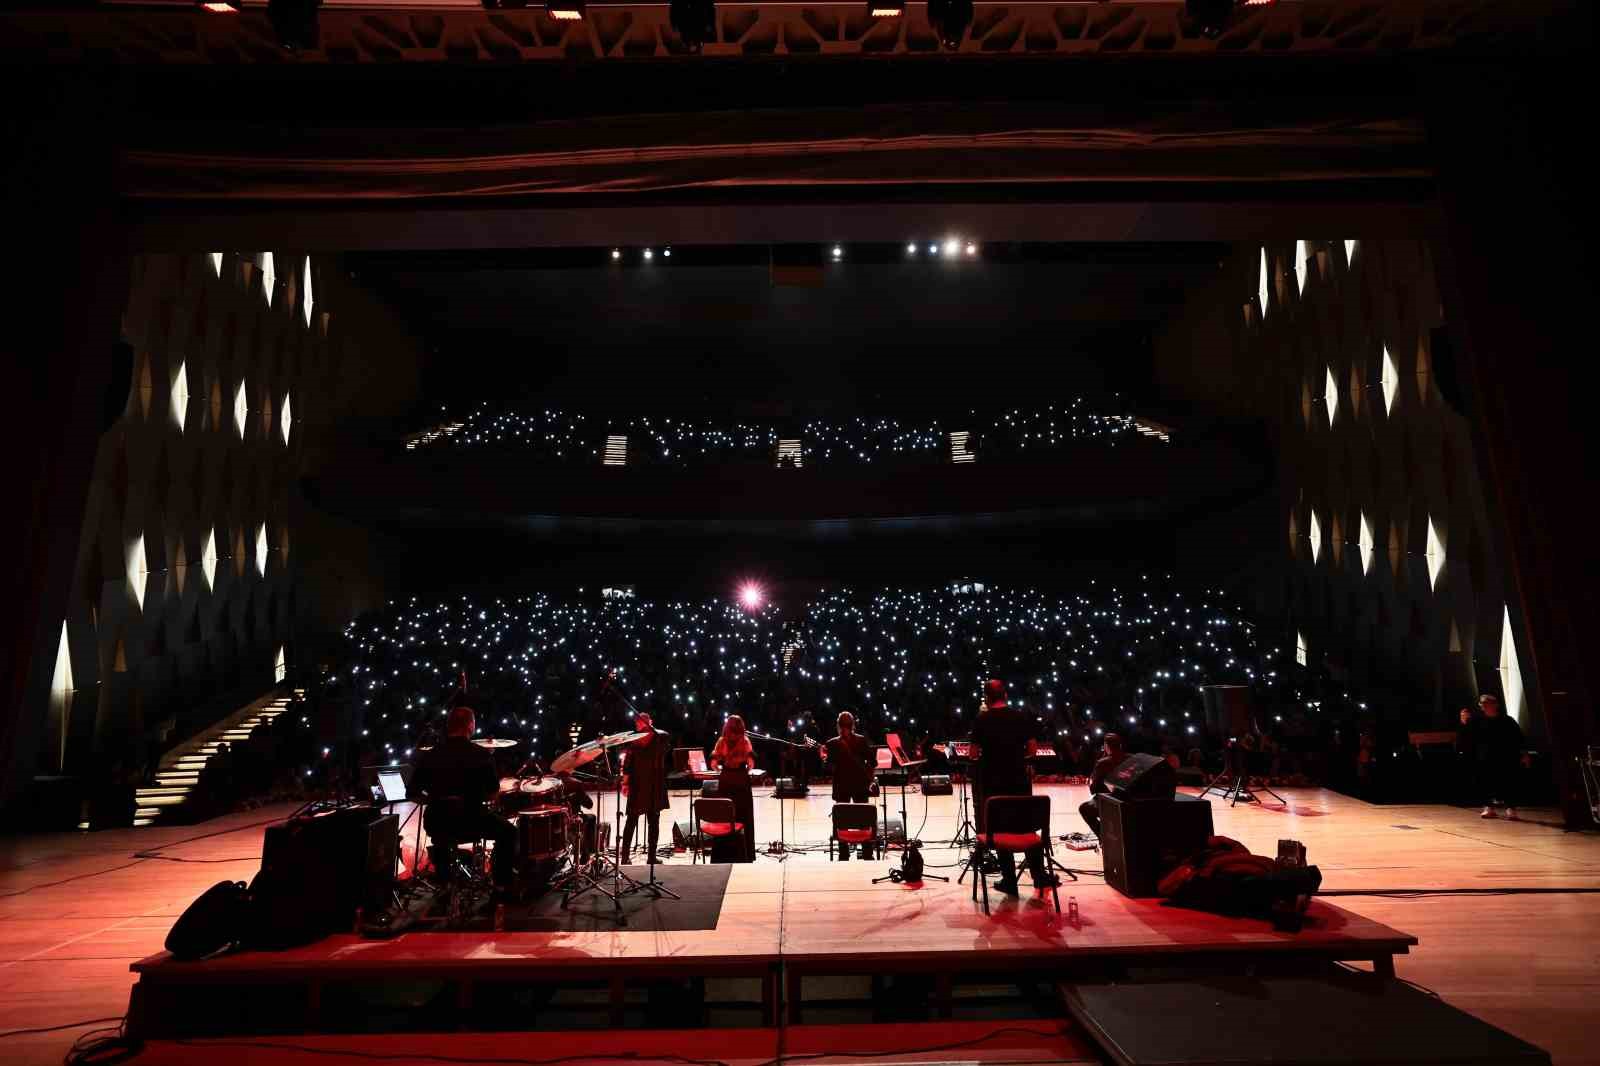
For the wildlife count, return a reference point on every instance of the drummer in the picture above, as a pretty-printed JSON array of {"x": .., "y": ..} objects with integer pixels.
[
  {"x": 455, "y": 779},
  {"x": 645, "y": 773}
]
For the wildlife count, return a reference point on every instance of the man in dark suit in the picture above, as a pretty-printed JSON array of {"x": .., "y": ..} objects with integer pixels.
[
  {"x": 456, "y": 779},
  {"x": 851, "y": 757},
  {"x": 646, "y": 773},
  {"x": 1004, "y": 739}
]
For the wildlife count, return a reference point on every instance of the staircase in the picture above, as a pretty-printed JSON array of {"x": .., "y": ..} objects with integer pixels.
[{"x": 164, "y": 801}]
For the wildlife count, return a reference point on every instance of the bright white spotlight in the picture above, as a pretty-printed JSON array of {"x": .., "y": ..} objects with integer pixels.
[
  {"x": 616, "y": 253},
  {"x": 972, "y": 249},
  {"x": 952, "y": 246},
  {"x": 648, "y": 254},
  {"x": 911, "y": 249},
  {"x": 750, "y": 595},
  {"x": 667, "y": 252},
  {"x": 838, "y": 252},
  {"x": 933, "y": 249}
]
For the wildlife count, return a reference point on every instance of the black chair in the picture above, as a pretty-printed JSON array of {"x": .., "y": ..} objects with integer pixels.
[
  {"x": 1014, "y": 823},
  {"x": 460, "y": 862},
  {"x": 715, "y": 823},
  {"x": 853, "y": 823}
]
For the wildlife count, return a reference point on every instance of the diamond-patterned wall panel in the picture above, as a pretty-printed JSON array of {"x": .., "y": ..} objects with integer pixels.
[
  {"x": 172, "y": 471},
  {"x": 1360, "y": 329}
]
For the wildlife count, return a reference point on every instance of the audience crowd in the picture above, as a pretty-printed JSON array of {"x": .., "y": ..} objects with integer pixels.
[
  {"x": 549, "y": 672},
  {"x": 557, "y": 436}
]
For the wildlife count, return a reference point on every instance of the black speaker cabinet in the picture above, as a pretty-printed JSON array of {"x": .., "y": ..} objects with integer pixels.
[
  {"x": 1143, "y": 777},
  {"x": 1142, "y": 840},
  {"x": 936, "y": 785}
]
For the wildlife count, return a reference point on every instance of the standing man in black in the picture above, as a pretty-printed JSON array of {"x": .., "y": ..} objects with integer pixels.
[
  {"x": 646, "y": 774},
  {"x": 1499, "y": 750},
  {"x": 851, "y": 757},
  {"x": 456, "y": 778},
  {"x": 1004, "y": 739}
]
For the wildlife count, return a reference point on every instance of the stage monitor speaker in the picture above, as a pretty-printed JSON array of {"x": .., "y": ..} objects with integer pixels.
[
  {"x": 316, "y": 872},
  {"x": 936, "y": 785},
  {"x": 894, "y": 831},
  {"x": 1143, "y": 777},
  {"x": 790, "y": 788},
  {"x": 1142, "y": 840},
  {"x": 1229, "y": 710}
]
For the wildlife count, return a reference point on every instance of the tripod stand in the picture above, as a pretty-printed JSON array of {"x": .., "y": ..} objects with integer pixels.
[
  {"x": 964, "y": 830},
  {"x": 1233, "y": 783},
  {"x": 592, "y": 875}
]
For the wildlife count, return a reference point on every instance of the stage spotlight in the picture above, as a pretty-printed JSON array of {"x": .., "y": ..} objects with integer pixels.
[
  {"x": 564, "y": 10},
  {"x": 952, "y": 246},
  {"x": 950, "y": 19},
  {"x": 838, "y": 252},
  {"x": 911, "y": 249},
  {"x": 933, "y": 249},
  {"x": 667, "y": 253},
  {"x": 972, "y": 249},
  {"x": 694, "y": 21},
  {"x": 616, "y": 253},
  {"x": 750, "y": 595},
  {"x": 648, "y": 254},
  {"x": 295, "y": 23}
]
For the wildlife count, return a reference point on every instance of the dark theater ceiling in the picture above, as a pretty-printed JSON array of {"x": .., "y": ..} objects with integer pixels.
[{"x": 941, "y": 319}]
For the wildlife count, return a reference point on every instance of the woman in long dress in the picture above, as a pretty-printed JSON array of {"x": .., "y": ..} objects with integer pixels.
[{"x": 735, "y": 758}]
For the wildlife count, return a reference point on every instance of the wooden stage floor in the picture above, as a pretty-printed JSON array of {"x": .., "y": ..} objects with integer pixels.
[{"x": 77, "y": 910}]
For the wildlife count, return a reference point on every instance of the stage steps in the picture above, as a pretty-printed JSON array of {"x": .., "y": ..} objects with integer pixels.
[
  {"x": 1320, "y": 1016},
  {"x": 168, "y": 799}
]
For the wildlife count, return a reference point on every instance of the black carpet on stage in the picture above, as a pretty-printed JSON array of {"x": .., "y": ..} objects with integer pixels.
[{"x": 702, "y": 886}]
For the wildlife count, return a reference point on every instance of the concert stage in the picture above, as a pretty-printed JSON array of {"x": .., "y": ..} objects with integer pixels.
[{"x": 811, "y": 941}]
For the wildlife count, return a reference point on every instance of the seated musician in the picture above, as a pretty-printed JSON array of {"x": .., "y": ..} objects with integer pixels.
[
  {"x": 645, "y": 772},
  {"x": 1111, "y": 758},
  {"x": 852, "y": 758},
  {"x": 456, "y": 778}
]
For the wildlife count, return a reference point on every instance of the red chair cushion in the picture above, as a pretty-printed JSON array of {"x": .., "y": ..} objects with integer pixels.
[
  {"x": 721, "y": 829},
  {"x": 1012, "y": 841},
  {"x": 853, "y": 836}
]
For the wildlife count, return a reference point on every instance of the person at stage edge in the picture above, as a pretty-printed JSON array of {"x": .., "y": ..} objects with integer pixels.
[
  {"x": 1499, "y": 750},
  {"x": 1004, "y": 739},
  {"x": 850, "y": 757},
  {"x": 456, "y": 779},
  {"x": 1110, "y": 758},
  {"x": 735, "y": 758},
  {"x": 645, "y": 772}
]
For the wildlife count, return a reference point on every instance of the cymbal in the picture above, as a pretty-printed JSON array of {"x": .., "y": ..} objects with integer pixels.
[
  {"x": 582, "y": 755},
  {"x": 494, "y": 742},
  {"x": 590, "y": 750}
]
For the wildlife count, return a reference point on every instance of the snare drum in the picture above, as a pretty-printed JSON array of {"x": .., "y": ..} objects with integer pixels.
[
  {"x": 523, "y": 794},
  {"x": 543, "y": 833}
]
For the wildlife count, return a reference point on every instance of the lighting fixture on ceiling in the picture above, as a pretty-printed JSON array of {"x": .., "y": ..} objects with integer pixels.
[{"x": 565, "y": 10}]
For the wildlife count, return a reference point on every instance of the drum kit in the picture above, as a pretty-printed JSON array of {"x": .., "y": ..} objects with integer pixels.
[{"x": 551, "y": 832}]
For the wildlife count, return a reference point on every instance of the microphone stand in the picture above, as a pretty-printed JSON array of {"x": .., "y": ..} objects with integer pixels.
[{"x": 779, "y": 847}]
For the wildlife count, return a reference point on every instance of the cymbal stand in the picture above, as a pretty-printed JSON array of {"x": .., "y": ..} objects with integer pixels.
[{"x": 603, "y": 867}]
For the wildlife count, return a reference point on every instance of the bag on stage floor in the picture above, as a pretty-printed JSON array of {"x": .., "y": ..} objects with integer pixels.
[
  {"x": 1225, "y": 878},
  {"x": 217, "y": 920}
]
